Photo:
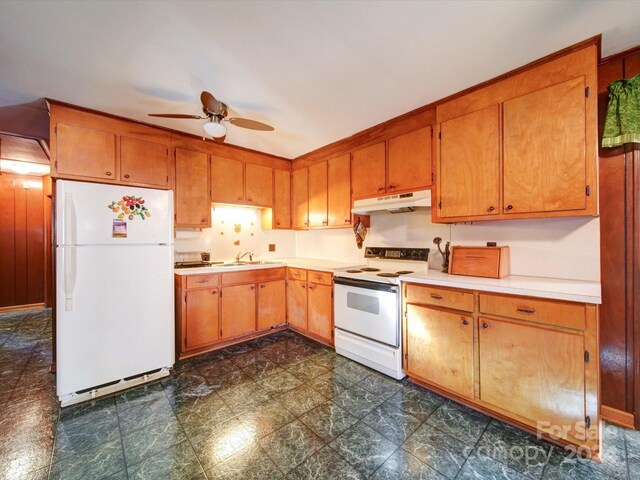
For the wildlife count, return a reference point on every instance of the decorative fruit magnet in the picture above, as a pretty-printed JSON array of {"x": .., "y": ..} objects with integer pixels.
[{"x": 131, "y": 206}]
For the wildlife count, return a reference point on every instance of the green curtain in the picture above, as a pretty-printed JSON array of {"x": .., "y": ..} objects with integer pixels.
[{"x": 622, "y": 124}]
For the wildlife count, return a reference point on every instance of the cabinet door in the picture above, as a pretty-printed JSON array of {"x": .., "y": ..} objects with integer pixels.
[
  {"x": 238, "y": 311},
  {"x": 299, "y": 198},
  {"x": 297, "y": 304},
  {"x": 469, "y": 165},
  {"x": 318, "y": 195},
  {"x": 534, "y": 372},
  {"x": 85, "y": 152},
  {"x": 368, "y": 171},
  {"x": 320, "y": 310},
  {"x": 544, "y": 150},
  {"x": 409, "y": 161},
  {"x": 202, "y": 318},
  {"x": 339, "y": 193},
  {"x": 440, "y": 348},
  {"x": 144, "y": 162},
  {"x": 259, "y": 185},
  {"x": 227, "y": 180},
  {"x": 192, "y": 204},
  {"x": 282, "y": 199},
  {"x": 272, "y": 304}
]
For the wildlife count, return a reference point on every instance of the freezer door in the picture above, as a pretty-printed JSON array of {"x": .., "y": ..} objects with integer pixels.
[
  {"x": 114, "y": 314},
  {"x": 83, "y": 216}
]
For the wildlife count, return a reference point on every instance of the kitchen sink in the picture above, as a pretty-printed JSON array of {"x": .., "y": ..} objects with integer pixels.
[{"x": 241, "y": 264}]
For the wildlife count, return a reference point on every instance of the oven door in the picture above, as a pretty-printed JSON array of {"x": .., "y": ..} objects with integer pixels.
[{"x": 368, "y": 309}]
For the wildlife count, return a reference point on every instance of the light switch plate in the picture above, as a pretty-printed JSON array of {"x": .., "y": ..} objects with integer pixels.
[{"x": 272, "y": 247}]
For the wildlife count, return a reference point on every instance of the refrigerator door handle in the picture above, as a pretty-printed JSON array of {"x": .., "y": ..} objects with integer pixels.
[
  {"x": 69, "y": 262},
  {"x": 69, "y": 220}
]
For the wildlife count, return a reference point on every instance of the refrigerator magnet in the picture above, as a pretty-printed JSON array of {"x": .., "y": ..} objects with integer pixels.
[{"x": 119, "y": 229}]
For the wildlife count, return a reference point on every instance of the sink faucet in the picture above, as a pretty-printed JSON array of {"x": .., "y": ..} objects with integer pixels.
[{"x": 240, "y": 256}]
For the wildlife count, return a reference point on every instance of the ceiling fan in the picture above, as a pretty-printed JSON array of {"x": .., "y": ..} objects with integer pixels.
[{"x": 216, "y": 112}]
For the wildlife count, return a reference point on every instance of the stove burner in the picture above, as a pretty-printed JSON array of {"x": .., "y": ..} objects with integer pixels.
[
  {"x": 404, "y": 272},
  {"x": 388, "y": 275},
  {"x": 354, "y": 271},
  {"x": 370, "y": 269}
]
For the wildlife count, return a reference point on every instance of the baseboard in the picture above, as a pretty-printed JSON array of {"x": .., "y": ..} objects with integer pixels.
[
  {"x": 613, "y": 415},
  {"x": 15, "y": 308}
]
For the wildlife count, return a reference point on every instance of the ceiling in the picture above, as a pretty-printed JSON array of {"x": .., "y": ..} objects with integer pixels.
[{"x": 318, "y": 71}]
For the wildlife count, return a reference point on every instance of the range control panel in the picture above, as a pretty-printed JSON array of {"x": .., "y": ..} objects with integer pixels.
[{"x": 415, "y": 254}]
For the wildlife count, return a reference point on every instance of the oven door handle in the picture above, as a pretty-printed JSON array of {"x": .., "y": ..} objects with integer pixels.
[{"x": 382, "y": 287}]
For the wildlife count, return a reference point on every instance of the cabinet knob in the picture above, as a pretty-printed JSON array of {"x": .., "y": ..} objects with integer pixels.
[
  {"x": 249, "y": 200},
  {"x": 262, "y": 285},
  {"x": 239, "y": 198},
  {"x": 306, "y": 223},
  {"x": 465, "y": 322},
  {"x": 381, "y": 189},
  {"x": 214, "y": 292},
  {"x": 108, "y": 174},
  {"x": 485, "y": 325},
  {"x": 278, "y": 223},
  {"x": 391, "y": 187},
  {"x": 325, "y": 222},
  {"x": 252, "y": 287},
  {"x": 509, "y": 207},
  {"x": 126, "y": 175},
  {"x": 204, "y": 220},
  {"x": 347, "y": 220},
  {"x": 492, "y": 208}
]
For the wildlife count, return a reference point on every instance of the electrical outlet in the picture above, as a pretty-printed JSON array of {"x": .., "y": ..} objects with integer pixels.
[
  {"x": 492, "y": 244},
  {"x": 272, "y": 247}
]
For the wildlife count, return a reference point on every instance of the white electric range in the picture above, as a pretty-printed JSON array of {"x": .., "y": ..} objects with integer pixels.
[{"x": 367, "y": 307}]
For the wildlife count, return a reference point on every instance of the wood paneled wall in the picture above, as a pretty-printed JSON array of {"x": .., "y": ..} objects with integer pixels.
[
  {"x": 620, "y": 258},
  {"x": 22, "y": 232}
]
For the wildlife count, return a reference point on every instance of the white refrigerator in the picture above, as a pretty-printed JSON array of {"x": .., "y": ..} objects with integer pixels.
[{"x": 114, "y": 288}]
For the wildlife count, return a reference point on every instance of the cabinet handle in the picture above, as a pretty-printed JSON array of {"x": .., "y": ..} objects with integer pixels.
[
  {"x": 249, "y": 200},
  {"x": 278, "y": 223},
  {"x": 381, "y": 189},
  {"x": 465, "y": 322},
  {"x": 492, "y": 208},
  {"x": 509, "y": 207},
  {"x": 214, "y": 292},
  {"x": 347, "y": 220},
  {"x": 262, "y": 285},
  {"x": 109, "y": 174},
  {"x": 204, "y": 220},
  {"x": 239, "y": 198},
  {"x": 306, "y": 223},
  {"x": 201, "y": 281},
  {"x": 527, "y": 310},
  {"x": 391, "y": 187},
  {"x": 435, "y": 296},
  {"x": 126, "y": 175},
  {"x": 311, "y": 287},
  {"x": 252, "y": 287},
  {"x": 325, "y": 222},
  {"x": 485, "y": 325}
]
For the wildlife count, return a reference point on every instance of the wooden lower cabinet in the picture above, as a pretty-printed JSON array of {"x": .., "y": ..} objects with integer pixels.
[
  {"x": 238, "y": 311},
  {"x": 202, "y": 318},
  {"x": 272, "y": 308},
  {"x": 532, "y": 362},
  {"x": 320, "y": 311},
  {"x": 297, "y": 304},
  {"x": 440, "y": 348}
]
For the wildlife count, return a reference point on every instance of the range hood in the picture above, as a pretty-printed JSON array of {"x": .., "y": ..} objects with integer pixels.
[{"x": 394, "y": 203}]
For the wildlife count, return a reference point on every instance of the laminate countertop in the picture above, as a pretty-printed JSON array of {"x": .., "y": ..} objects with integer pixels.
[
  {"x": 306, "y": 263},
  {"x": 553, "y": 288}
]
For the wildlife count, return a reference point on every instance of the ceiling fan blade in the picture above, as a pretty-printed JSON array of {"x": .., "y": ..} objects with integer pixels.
[
  {"x": 176, "y": 115},
  {"x": 250, "y": 124},
  {"x": 210, "y": 103}
]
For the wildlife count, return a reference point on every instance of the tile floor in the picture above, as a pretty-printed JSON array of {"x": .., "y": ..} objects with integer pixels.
[{"x": 277, "y": 407}]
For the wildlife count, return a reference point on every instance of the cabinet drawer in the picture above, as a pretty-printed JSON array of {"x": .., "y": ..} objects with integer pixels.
[
  {"x": 324, "y": 278},
  {"x": 455, "y": 299},
  {"x": 202, "y": 281},
  {"x": 253, "y": 276},
  {"x": 297, "y": 274},
  {"x": 552, "y": 312}
]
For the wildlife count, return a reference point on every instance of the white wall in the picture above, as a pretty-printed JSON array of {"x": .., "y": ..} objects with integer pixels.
[{"x": 220, "y": 239}]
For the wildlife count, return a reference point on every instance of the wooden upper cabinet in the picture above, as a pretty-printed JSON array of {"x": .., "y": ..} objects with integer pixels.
[
  {"x": 339, "y": 191},
  {"x": 318, "y": 195},
  {"x": 368, "y": 171},
  {"x": 227, "y": 180},
  {"x": 144, "y": 162},
  {"x": 258, "y": 185},
  {"x": 85, "y": 152},
  {"x": 409, "y": 161},
  {"x": 192, "y": 204},
  {"x": 272, "y": 308},
  {"x": 238, "y": 311},
  {"x": 440, "y": 348},
  {"x": 544, "y": 149},
  {"x": 535, "y": 372},
  {"x": 299, "y": 198},
  {"x": 281, "y": 199},
  {"x": 297, "y": 304},
  {"x": 201, "y": 318},
  {"x": 320, "y": 311},
  {"x": 469, "y": 165}
]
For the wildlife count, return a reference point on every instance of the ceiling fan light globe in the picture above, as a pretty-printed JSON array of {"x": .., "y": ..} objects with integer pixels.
[{"x": 214, "y": 129}]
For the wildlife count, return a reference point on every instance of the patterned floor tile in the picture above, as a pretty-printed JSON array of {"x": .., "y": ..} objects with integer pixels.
[
  {"x": 221, "y": 441},
  {"x": 352, "y": 371},
  {"x": 481, "y": 467},
  {"x": 177, "y": 463},
  {"x": 291, "y": 445},
  {"x": 138, "y": 395},
  {"x": 262, "y": 369},
  {"x": 249, "y": 464},
  {"x": 266, "y": 419},
  {"x": 307, "y": 370},
  {"x": 392, "y": 422},
  {"x": 363, "y": 448},
  {"x": 402, "y": 465},
  {"x": 460, "y": 422},
  {"x": 72, "y": 439},
  {"x": 98, "y": 462},
  {"x": 301, "y": 399},
  {"x": 328, "y": 420},
  {"x": 413, "y": 402},
  {"x": 325, "y": 464},
  {"x": 380, "y": 385},
  {"x": 152, "y": 439},
  {"x": 144, "y": 414},
  {"x": 330, "y": 384},
  {"x": 245, "y": 397},
  {"x": 357, "y": 402},
  {"x": 279, "y": 383}
]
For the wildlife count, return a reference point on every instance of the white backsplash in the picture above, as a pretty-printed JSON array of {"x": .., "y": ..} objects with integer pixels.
[{"x": 552, "y": 247}]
